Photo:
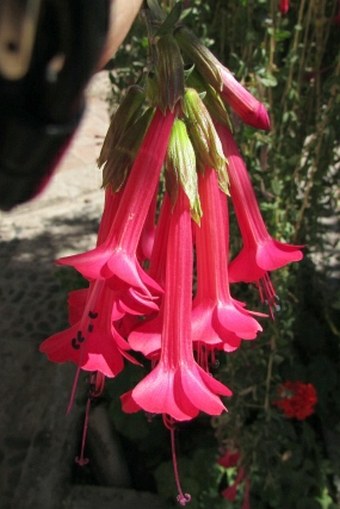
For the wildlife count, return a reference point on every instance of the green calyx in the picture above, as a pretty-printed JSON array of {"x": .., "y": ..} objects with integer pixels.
[
  {"x": 211, "y": 99},
  {"x": 206, "y": 63},
  {"x": 123, "y": 151},
  {"x": 203, "y": 135},
  {"x": 181, "y": 168},
  {"x": 125, "y": 115},
  {"x": 169, "y": 72}
]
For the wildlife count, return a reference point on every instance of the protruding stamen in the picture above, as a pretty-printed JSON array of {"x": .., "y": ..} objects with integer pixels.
[
  {"x": 73, "y": 391},
  {"x": 81, "y": 460},
  {"x": 182, "y": 498},
  {"x": 267, "y": 293}
]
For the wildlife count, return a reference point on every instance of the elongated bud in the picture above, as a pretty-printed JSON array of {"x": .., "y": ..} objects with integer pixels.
[
  {"x": 201, "y": 56},
  {"x": 242, "y": 102},
  {"x": 126, "y": 114},
  {"x": 181, "y": 168},
  {"x": 204, "y": 137},
  {"x": 170, "y": 74},
  {"x": 122, "y": 154}
]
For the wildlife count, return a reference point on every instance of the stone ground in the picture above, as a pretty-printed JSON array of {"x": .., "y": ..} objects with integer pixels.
[{"x": 38, "y": 442}]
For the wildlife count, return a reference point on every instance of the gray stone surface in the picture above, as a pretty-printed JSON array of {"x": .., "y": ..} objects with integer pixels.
[{"x": 37, "y": 440}]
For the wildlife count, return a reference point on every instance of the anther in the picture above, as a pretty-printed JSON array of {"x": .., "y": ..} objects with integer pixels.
[
  {"x": 92, "y": 315},
  {"x": 80, "y": 337},
  {"x": 75, "y": 344}
]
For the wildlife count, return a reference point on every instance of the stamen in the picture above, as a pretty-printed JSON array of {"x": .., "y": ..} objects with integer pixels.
[
  {"x": 267, "y": 293},
  {"x": 73, "y": 391},
  {"x": 81, "y": 460},
  {"x": 75, "y": 344},
  {"x": 182, "y": 498},
  {"x": 92, "y": 315},
  {"x": 202, "y": 356}
]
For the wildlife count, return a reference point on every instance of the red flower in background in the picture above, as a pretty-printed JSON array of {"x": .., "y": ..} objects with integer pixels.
[
  {"x": 284, "y": 6},
  {"x": 297, "y": 399}
]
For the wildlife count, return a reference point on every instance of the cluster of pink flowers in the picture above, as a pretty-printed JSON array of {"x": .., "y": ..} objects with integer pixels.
[
  {"x": 297, "y": 400},
  {"x": 140, "y": 295}
]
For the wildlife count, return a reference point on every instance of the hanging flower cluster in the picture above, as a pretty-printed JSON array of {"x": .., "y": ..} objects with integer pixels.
[
  {"x": 296, "y": 399},
  {"x": 159, "y": 277}
]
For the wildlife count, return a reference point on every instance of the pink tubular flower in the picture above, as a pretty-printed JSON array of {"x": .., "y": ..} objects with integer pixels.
[
  {"x": 244, "y": 104},
  {"x": 115, "y": 258},
  {"x": 177, "y": 386},
  {"x": 284, "y": 6},
  {"x": 260, "y": 253},
  {"x": 92, "y": 343},
  {"x": 146, "y": 338},
  {"x": 216, "y": 315}
]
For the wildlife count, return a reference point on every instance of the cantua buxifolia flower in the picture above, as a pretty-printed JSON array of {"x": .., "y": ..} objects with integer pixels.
[
  {"x": 178, "y": 386},
  {"x": 243, "y": 103},
  {"x": 146, "y": 337},
  {"x": 115, "y": 259},
  {"x": 216, "y": 315},
  {"x": 260, "y": 252},
  {"x": 92, "y": 343}
]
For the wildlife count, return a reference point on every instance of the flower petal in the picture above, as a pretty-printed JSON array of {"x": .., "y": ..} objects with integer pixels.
[{"x": 155, "y": 394}]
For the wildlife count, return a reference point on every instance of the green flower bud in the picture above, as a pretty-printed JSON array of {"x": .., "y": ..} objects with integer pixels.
[
  {"x": 206, "y": 142},
  {"x": 181, "y": 168}
]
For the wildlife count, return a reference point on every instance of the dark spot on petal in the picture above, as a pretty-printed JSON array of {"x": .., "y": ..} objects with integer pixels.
[
  {"x": 92, "y": 315},
  {"x": 90, "y": 327},
  {"x": 80, "y": 337},
  {"x": 75, "y": 344}
]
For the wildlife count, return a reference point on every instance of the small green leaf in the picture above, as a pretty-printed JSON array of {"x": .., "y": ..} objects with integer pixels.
[
  {"x": 155, "y": 9},
  {"x": 170, "y": 21}
]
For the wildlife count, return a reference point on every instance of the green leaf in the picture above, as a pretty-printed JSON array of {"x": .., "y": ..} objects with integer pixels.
[
  {"x": 155, "y": 9},
  {"x": 268, "y": 80},
  {"x": 170, "y": 21}
]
